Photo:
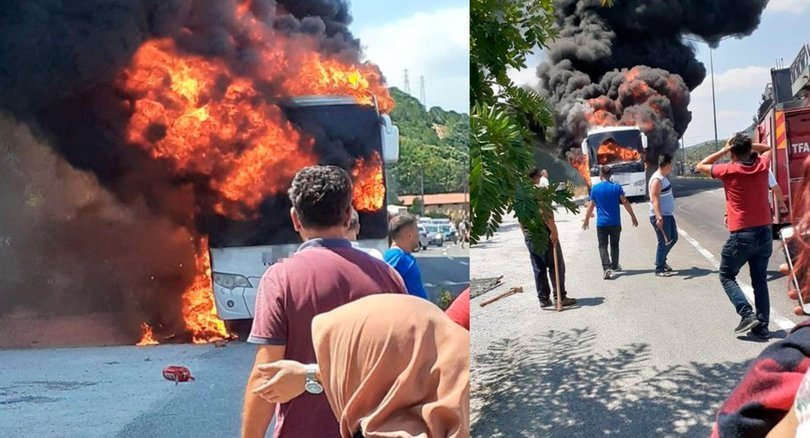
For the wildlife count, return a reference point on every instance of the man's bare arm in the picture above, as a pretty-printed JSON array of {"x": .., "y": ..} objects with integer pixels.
[
  {"x": 629, "y": 209},
  {"x": 258, "y": 412},
  {"x": 552, "y": 226},
  {"x": 705, "y": 166},
  {"x": 588, "y": 214}
]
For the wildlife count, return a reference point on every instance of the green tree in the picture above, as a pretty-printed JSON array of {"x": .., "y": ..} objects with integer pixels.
[
  {"x": 434, "y": 148},
  {"x": 506, "y": 118}
]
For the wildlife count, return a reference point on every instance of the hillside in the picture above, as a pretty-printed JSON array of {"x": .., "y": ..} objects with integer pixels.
[
  {"x": 697, "y": 152},
  {"x": 432, "y": 142}
]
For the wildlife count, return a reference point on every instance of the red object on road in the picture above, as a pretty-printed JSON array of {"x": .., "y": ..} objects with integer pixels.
[{"x": 177, "y": 374}]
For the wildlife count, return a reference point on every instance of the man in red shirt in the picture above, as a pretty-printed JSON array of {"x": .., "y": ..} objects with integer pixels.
[
  {"x": 745, "y": 181},
  {"x": 325, "y": 273}
]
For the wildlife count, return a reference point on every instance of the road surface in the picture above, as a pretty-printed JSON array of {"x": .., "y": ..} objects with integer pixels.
[
  {"x": 639, "y": 356},
  {"x": 446, "y": 267},
  {"x": 119, "y": 391}
]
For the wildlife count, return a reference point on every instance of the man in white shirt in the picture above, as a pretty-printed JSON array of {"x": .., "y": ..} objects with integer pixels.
[
  {"x": 543, "y": 178},
  {"x": 354, "y": 231},
  {"x": 777, "y": 191}
]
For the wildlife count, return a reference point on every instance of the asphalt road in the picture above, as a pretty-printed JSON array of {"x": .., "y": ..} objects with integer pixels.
[
  {"x": 639, "y": 356},
  {"x": 120, "y": 392},
  {"x": 446, "y": 267}
]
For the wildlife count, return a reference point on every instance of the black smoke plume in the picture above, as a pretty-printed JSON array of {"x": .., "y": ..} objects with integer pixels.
[
  {"x": 59, "y": 66},
  {"x": 590, "y": 65}
]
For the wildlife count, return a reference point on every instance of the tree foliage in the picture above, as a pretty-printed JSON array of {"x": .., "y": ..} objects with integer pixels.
[
  {"x": 434, "y": 148},
  {"x": 506, "y": 118}
]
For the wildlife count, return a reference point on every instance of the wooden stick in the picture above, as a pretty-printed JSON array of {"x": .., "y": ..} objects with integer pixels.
[
  {"x": 557, "y": 275},
  {"x": 511, "y": 291}
]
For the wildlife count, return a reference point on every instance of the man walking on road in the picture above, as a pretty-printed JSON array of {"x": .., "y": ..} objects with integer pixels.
[
  {"x": 323, "y": 274},
  {"x": 745, "y": 181},
  {"x": 404, "y": 233},
  {"x": 606, "y": 196},
  {"x": 662, "y": 211},
  {"x": 543, "y": 264}
]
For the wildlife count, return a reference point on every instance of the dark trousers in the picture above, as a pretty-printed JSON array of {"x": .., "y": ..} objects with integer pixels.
[
  {"x": 543, "y": 267},
  {"x": 605, "y": 235},
  {"x": 671, "y": 230},
  {"x": 753, "y": 246}
]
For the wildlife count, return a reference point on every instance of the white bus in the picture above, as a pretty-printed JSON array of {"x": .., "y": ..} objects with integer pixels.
[
  {"x": 623, "y": 149},
  {"x": 241, "y": 251}
]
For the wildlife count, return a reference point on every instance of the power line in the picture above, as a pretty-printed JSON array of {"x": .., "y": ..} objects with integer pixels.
[{"x": 407, "y": 87}]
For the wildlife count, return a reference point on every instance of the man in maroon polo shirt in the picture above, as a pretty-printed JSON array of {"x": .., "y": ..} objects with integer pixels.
[
  {"x": 745, "y": 181},
  {"x": 325, "y": 273}
]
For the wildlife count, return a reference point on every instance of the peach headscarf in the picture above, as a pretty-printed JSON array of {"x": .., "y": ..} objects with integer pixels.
[{"x": 395, "y": 366}]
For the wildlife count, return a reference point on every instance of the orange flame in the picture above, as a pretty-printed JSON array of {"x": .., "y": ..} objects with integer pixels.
[
  {"x": 611, "y": 152},
  {"x": 369, "y": 188},
  {"x": 146, "y": 336},
  {"x": 579, "y": 161},
  {"x": 203, "y": 118},
  {"x": 199, "y": 311}
]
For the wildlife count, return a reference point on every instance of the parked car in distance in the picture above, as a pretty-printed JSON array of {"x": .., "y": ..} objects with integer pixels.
[
  {"x": 423, "y": 237},
  {"x": 448, "y": 231},
  {"x": 434, "y": 234}
]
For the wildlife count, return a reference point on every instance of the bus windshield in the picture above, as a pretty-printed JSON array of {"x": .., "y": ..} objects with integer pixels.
[
  {"x": 622, "y": 150},
  {"x": 342, "y": 133}
]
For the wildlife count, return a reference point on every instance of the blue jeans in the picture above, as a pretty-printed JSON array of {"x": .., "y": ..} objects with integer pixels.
[
  {"x": 753, "y": 246},
  {"x": 661, "y": 253}
]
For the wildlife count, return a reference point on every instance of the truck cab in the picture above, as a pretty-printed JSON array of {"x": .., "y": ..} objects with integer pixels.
[{"x": 783, "y": 123}]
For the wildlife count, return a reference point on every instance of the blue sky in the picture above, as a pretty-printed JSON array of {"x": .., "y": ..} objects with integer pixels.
[
  {"x": 429, "y": 38},
  {"x": 741, "y": 68}
]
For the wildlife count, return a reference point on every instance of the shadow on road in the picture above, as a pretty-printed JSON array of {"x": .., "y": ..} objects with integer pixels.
[
  {"x": 632, "y": 272},
  {"x": 693, "y": 272},
  {"x": 779, "y": 334},
  {"x": 555, "y": 385},
  {"x": 590, "y": 302}
]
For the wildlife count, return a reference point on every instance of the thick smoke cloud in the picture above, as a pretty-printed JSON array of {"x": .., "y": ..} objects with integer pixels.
[
  {"x": 588, "y": 63},
  {"x": 115, "y": 218}
]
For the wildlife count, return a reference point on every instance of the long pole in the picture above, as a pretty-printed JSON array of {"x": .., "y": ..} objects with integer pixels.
[
  {"x": 683, "y": 149},
  {"x": 714, "y": 105},
  {"x": 422, "y": 188}
]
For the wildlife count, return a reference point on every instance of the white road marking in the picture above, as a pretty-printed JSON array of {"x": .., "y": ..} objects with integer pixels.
[
  {"x": 464, "y": 263},
  {"x": 779, "y": 320}
]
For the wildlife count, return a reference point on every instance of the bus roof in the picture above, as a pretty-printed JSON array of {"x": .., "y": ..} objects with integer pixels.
[
  {"x": 321, "y": 100},
  {"x": 602, "y": 129}
]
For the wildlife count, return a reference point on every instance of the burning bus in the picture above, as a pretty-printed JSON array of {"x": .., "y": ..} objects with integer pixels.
[
  {"x": 623, "y": 149},
  {"x": 346, "y": 133}
]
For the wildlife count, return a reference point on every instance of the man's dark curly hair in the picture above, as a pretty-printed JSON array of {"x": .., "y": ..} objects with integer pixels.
[
  {"x": 741, "y": 145},
  {"x": 321, "y": 195}
]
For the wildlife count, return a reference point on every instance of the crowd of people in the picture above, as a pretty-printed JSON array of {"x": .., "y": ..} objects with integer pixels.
[
  {"x": 773, "y": 398},
  {"x": 348, "y": 344}
]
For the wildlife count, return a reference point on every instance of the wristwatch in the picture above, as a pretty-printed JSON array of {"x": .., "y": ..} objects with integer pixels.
[{"x": 312, "y": 385}]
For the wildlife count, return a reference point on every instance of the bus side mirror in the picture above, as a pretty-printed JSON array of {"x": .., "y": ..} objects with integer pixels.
[
  {"x": 390, "y": 140},
  {"x": 584, "y": 147},
  {"x": 644, "y": 141}
]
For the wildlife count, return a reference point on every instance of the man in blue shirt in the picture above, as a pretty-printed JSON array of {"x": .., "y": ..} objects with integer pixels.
[
  {"x": 606, "y": 196},
  {"x": 404, "y": 233}
]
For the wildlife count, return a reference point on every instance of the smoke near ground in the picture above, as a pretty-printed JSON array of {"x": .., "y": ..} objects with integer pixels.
[
  {"x": 629, "y": 64},
  {"x": 67, "y": 246}
]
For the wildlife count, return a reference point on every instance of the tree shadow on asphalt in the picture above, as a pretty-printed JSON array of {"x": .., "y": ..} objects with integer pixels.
[{"x": 555, "y": 385}]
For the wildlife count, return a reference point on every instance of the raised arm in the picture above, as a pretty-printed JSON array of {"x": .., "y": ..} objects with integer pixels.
[{"x": 705, "y": 166}]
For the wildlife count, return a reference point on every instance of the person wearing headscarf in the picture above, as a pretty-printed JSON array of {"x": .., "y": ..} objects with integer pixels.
[{"x": 391, "y": 366}]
